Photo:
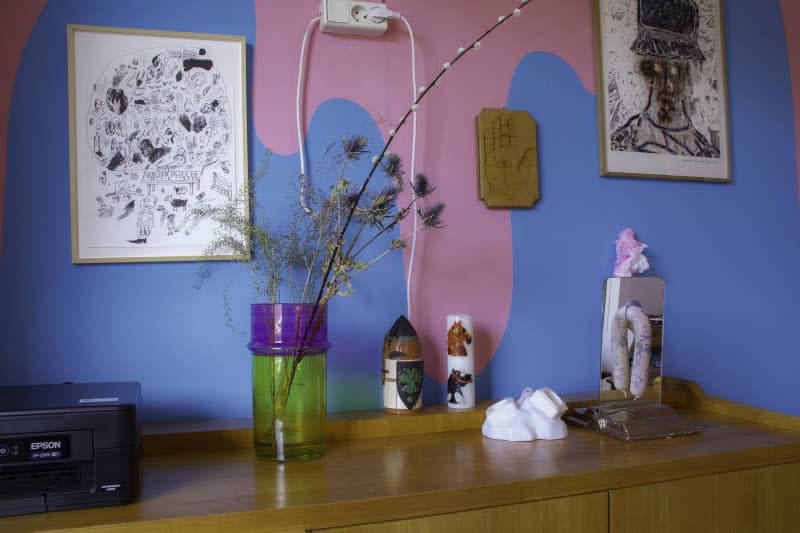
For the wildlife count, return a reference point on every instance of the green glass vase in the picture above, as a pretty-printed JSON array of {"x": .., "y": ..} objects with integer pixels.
[{"x": 289, "y": 346}]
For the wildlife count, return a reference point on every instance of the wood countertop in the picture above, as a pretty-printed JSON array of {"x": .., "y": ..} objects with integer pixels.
[{"x": 381, "y": 467}]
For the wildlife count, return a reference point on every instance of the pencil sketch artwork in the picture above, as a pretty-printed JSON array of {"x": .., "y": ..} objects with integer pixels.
[
  {"x": 160, "y": 131},
  {"x": 664, "y": 92}
]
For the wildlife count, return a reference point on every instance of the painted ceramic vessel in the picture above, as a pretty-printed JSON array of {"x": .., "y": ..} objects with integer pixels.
[
  {"x": 460, "y": 362},
  {"x": 402, "y": 369}
]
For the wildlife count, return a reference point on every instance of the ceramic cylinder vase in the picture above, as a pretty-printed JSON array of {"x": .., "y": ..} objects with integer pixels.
[
  {"x": 289, "y": 344},
  {"x": 402, "y": 369},
  {"x": 460, "y": 362}
]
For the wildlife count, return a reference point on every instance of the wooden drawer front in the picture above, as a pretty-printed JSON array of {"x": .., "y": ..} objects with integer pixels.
[
  {"x": 576, "y": 514},
  {"x": 746, "y": 501},
  {"x": 760, "y": 500},
  {"x": 670, "y": 507}
]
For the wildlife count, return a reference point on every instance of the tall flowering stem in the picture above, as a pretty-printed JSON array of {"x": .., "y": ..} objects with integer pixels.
[{"x": 376, "y": 161}]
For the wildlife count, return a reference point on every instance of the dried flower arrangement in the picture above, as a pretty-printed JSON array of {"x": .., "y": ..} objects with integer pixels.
[
  {"x": 330, "y": 233},
  {"x": 331, "y": 237}
]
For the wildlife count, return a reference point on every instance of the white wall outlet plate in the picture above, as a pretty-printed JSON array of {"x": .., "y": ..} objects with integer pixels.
[{"x": 351, "y": 17}]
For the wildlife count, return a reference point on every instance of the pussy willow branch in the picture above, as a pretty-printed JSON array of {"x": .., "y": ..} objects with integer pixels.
[{"x": 461, "y": 52}]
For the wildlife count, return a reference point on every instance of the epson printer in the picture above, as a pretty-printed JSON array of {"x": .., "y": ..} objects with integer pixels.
[{"x": 68, "y": 446}]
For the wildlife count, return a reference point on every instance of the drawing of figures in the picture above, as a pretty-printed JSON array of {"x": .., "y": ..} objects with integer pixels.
[
  {"x": 128, "y": 210},
  {"x": 155, "y": 116},
  {"x": 104, "y": 210},
  {"x": 222, "y": 186},
  {"x": 145, "y": 220},
  {"x": 122, "y": 189},
  {"x": 136, "y": 121},
  {"x": 194, "y": 216},
  {"x": 176, "y": 203},
  {"x": 170, "y": 223},
  {"x": 163, "y": 112},
  {"x": 665, "y": 101}
]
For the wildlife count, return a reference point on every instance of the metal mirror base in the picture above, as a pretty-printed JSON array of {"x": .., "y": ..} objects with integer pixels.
[{"x": 630, "y": 420}]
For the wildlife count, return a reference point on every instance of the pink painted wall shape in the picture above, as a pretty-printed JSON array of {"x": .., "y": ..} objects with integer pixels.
[{"x": 561, "y": 27}]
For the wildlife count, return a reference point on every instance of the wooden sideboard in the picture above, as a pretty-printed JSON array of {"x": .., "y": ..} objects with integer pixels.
[{"x": 435, "y": 472}]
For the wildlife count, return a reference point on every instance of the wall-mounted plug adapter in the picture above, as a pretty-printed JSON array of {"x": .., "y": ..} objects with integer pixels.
[{"x": 351, "y": 17}]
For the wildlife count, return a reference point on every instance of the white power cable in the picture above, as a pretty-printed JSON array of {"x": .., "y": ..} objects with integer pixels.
[
  {"x": 413, "y": 169},
  {"x": 299, "y": 115}
]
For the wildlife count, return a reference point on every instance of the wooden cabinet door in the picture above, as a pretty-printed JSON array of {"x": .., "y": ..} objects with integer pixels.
[
  {"x": 746, "y": 501},
  {"x": 669, "y": 507},
  {"x": 760, "y": 500},
  {"x": 587, "y": 513}
]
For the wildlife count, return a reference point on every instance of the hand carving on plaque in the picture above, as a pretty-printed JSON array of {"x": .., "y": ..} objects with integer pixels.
[{"x": 508, "y": 152}]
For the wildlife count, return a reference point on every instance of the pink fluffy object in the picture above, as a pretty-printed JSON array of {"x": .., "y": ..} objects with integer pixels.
[{"x": 630, "y": 255}]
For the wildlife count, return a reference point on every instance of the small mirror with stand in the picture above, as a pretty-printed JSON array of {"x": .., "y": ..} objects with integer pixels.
[{"x": 631, "y": 361}]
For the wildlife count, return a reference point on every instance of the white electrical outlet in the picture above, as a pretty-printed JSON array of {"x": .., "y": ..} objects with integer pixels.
[{"x": 351, "y": 17}]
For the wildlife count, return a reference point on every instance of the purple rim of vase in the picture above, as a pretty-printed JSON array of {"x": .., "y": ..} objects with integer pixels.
[{"x": 278, "y": 329}]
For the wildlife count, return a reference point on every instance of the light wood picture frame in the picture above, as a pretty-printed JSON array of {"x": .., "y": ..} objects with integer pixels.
[
  {"x": 158, "y": 132},
  {"x": 662, "y": 103}
]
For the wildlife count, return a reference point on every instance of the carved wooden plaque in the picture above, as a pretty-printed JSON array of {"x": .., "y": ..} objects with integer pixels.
[{"x": 508, "y": 165}]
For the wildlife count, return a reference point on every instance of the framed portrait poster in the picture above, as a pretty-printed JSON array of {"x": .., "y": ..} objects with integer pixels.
[
  {"x": 661, "y": 89},
  {"x": 157, "y": 136}
]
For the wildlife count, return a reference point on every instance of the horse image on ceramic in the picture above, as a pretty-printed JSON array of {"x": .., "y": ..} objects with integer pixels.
[
  {"x": 455, "y": 383},
  {"x": 457, "y": 339}
]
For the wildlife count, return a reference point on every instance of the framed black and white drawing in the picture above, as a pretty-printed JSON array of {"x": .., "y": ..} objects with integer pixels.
[
  {"x": 157, "y": 134},
  {"x": 661, "y": 89}
]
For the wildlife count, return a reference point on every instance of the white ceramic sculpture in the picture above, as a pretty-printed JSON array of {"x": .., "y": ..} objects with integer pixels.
[{"x": 534, "y": 415}]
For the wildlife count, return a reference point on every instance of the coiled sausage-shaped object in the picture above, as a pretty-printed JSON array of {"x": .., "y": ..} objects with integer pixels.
[{"x": 631, "y": 316}]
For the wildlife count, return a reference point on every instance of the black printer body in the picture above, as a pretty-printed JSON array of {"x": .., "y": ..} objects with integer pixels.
[{"x": 69, "y": 446}]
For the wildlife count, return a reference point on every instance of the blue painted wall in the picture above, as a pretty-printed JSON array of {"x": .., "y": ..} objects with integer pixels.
[{"x": 729, "y": 254}]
